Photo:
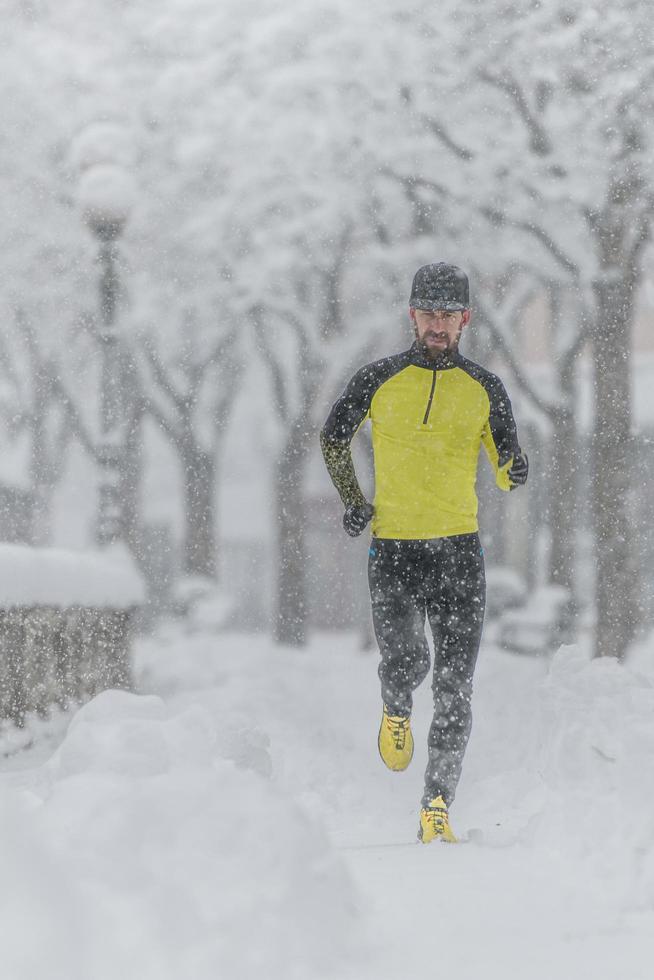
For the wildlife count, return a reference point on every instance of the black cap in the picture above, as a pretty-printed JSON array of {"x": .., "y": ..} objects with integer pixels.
[{"x": 440, "y": 287}]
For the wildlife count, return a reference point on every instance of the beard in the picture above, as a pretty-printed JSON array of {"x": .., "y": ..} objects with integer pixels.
[{"x": 450, "y": 346}]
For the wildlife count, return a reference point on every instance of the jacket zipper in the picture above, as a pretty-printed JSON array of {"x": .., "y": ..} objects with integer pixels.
[{"x": 431, "y": 398}]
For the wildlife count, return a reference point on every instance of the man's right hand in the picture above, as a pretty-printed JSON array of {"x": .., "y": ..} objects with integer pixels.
[
  {"x": 519, "y": 470},
  {"x": 356, "y": 517}
]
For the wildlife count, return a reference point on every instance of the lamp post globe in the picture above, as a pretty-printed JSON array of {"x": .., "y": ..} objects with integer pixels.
[{"x": 106, "y": 199}]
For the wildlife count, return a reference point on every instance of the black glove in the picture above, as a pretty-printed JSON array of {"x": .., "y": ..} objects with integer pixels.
[
  {"x": 356, "y": 517},
  {"x": 519, "y": 469}
]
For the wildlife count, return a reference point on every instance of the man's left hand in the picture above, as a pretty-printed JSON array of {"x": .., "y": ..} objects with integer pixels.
[{"x": 518, "y": 470}]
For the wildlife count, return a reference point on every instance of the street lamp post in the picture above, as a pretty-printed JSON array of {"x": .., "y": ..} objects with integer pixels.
[
  {"x": 106, "y": 200},
  {"x": 109, "y": 526}
]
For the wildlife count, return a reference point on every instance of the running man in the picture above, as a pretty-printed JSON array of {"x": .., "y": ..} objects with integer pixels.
[{"x": 431, "y": 409}]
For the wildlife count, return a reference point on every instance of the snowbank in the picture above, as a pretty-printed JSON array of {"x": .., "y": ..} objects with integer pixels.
[
  {"x": 594, "y": 747},
  {"x": 55, "y": 577},
  {"x": 559, "y": 765},
  {"x": 140, "y": 852}
]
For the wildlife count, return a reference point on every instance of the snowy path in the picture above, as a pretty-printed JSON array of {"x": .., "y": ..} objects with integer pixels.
[
  {"x": 197, "y": 868},
  {"x": 518, "y": 904}
]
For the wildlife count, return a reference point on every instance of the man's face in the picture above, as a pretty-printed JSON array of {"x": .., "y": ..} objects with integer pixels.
[{"x": 438, "y": 330}]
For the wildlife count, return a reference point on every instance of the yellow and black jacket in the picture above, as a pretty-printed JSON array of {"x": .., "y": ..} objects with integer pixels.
[{"x": 429, "y": 419}]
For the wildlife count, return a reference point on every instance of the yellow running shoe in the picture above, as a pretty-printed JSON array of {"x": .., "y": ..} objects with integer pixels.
[
  {"x": 435, "y": 823},
  {"x": 395, "y": 741}
]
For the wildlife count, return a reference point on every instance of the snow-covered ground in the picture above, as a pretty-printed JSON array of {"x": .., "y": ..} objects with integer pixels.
[{"x": 234, "y": 821}]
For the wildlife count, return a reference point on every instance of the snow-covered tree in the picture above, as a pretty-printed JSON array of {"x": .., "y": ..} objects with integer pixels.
[
  {"x": 544, "y": 113},
  {"x": 569, "y": 107},
  {"x": 31, "y": 411},
  {"x": 189, "y": 389}
]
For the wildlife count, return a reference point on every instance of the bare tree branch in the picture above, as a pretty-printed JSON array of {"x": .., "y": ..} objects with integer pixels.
[
  {"x": 436, "y": 128},
  {"x": 332, "y": 319},
  {"x": 230, "y": 377},
  {"x": 162, "y": 377},
  {"x": 500, "y": 218},
  {"x": 643, "y": 234},
  {"x": 411, "y": 180},
  {"x": 15, "y": 421},
  {"x": 222, "y": 349},
  {"x": 74, "y": 417},
  {"x": 7, "y": 364},
  {"x": 548, "y": 409},
  {"x": 539, "y": 140},
  {"x": 544, "y": 238},
  {"x": 581, "y": 339},
  {"x": 173, "y": 432},
  {"x": 308, "y": 363},
  {"x": 223, "y": 402},
  {"x": 194, "y": 371},
  {"x": 279, "y": 386}
]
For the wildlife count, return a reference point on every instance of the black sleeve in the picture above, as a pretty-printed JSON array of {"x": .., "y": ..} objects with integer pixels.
[
  {"x": 500, "y": 434},
  {"x": 501, "y": 422},
  {"x": 347, "y": 414},
  {"x": 349, "y": 411}
]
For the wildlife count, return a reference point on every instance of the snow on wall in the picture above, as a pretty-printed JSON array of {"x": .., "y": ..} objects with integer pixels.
[{"x": 60, "y": 578}]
